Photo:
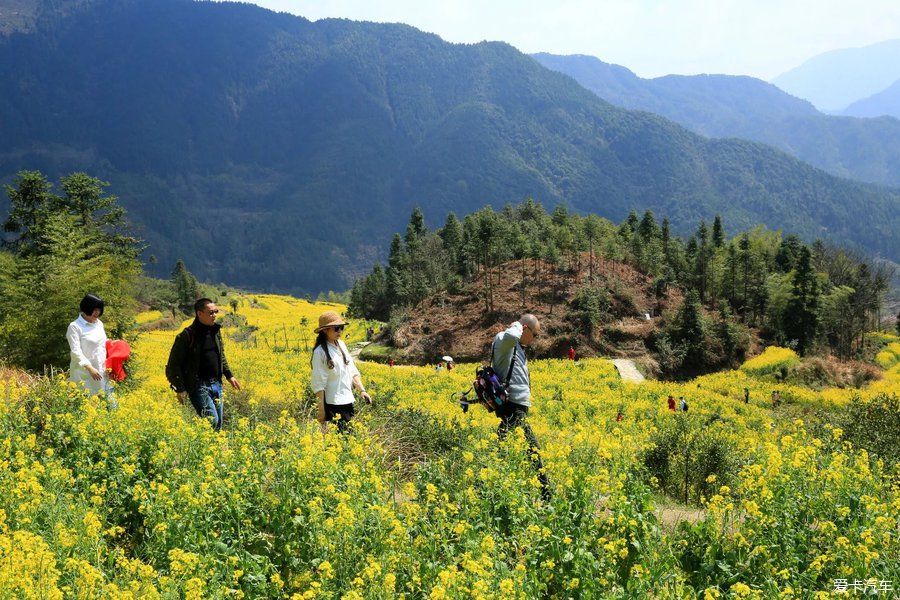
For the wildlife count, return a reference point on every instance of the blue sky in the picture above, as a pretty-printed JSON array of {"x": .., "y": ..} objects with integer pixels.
[{"x": 762, "y": 38}]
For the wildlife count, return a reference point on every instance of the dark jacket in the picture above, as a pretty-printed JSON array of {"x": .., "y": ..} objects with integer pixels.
[{"x": 184, "y": 358}]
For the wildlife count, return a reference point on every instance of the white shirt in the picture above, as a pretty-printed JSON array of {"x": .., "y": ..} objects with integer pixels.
[
  {"x": 337, "y": 382},
  {"x": 87, "y": 346}
]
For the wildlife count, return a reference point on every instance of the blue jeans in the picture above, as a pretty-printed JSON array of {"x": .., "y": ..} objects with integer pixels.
[{"x": 207, "y": 401}]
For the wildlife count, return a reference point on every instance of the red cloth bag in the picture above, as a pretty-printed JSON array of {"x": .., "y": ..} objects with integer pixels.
[{"x": 117, "y": 352}]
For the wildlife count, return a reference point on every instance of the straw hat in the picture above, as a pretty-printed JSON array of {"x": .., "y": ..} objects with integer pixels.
[{"x": 329, "y": 319}]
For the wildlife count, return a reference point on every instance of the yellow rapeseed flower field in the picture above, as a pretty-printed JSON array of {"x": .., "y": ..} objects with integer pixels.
[
  {"x": 422, "y": 500},
  {"x": 771, "y": 360}
]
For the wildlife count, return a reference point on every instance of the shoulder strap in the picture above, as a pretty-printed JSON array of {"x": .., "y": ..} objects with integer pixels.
[{"x": 512, "y": 362}]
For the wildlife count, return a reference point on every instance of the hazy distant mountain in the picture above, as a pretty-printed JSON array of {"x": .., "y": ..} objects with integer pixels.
[
  {"x": 886, "y": 102},
  {"x": 702, "y": 99},
  {"x": 834, "y": 80},
  {"x": 276, "y": 153},
  {"x": 744, "y": 107}
]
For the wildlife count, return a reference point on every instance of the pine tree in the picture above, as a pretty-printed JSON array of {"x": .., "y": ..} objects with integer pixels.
[
  {"x": 788, "y": 253},
  {"x": 591, "y": 233},
  {"x": 702, "y": 258},
  {"x": 647, "y": 228},
  {"x": 803, "y": 307},
  {"x": 628, "y": 227},
  {"x": 85, "y": 199},
  {"x": 31, "y": 203},
  {"x": 731, "y": 275},
  {"x": 560, "y": 215},
  {"x": 485, "y": 238},
  {"x": 452, "y": 236},
  {"x": 690, "y": 331},
  {"x": 396, "y": 253},
  {"x": 666, "y": 236},
  {"x": 415, "y": 229},
  {"x": 396, "y": 289},
  {"x": 187, "y": 291},
  {"x": 718, "y": 234},
  {"x": 746, "y": 260}
]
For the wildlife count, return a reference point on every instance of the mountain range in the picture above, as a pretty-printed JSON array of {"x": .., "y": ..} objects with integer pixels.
[
  {"x": 834, "y": 80},
  {"x": 885, "y": 102},
  {"x": 736, "y": 106},
  {"x": 277, "y": 153}
]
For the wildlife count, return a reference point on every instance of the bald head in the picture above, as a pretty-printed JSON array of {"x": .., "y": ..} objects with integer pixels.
[
  {"x": 530, "y": 321},
  {"x": 532, "y": 327}
]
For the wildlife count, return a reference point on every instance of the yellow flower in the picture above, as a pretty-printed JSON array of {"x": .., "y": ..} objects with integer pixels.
[
  {"x": 326, "y": 570},
  {"x": 92, "y": 524}
]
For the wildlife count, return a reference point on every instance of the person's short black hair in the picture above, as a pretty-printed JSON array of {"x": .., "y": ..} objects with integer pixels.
[
  {"x": 201, "y": 304},
  {"x": 90, "y": 303}
]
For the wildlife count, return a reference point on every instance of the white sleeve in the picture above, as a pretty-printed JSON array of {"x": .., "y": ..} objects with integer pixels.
[
  {"x": 512, "y": 335},
  {"x": 319, "y": 377},
  {"x": 352, "y": 366},
  {"x": 73, "y": 335}
]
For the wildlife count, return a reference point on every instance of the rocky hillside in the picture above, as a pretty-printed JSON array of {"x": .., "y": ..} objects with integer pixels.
[{"x": 457, "y": 324}]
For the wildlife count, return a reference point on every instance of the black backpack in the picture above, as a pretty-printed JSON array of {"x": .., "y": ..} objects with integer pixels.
[{"x": 489, "y": 388}]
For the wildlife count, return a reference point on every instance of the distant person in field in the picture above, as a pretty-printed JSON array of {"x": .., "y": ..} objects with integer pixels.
[
  {"x": 450, "y": 366},
  {"x": 508, "y": 357},
  {"x": 746, "y": 395},
  {"x": 87, "y": 349},
  {"x": 683, "y": 404},
  {"x": 197, "y": 364},
  {"x": 671, "y": 402},
  {"x": 334, "y": 374},
  {"x": 571, "y": 353}
]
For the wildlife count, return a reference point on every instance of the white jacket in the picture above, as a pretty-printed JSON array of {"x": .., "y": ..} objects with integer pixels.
[
  {"x": 504, "y": 348},
  {"x": 337, "y": 382},
  {"x": 87, "y": 346}
]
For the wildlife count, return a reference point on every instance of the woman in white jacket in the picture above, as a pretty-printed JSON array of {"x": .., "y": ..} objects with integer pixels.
[
  {"x": 87, "y": 349},
  {"x": 334, "y": 374}
]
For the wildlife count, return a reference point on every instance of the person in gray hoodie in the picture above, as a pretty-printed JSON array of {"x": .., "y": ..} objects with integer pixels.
[{"x": 510, "y": 363}]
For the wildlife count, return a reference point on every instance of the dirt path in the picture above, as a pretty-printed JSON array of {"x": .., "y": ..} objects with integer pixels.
[
  {"x": 359, "y": 348},
  {"x": 627, "y": 370}
]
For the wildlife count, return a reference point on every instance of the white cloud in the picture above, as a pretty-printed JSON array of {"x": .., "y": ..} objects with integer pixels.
[{"x": 652, "y": 37}]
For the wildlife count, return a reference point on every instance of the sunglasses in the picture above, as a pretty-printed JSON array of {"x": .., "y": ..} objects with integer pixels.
[{"x": 338, "y": 328}]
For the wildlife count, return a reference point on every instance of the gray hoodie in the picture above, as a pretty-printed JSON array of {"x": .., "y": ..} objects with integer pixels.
[{"x": 505, "y": 345}]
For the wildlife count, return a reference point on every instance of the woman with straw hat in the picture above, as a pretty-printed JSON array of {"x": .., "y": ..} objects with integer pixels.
[{"x": 334, "y": 374}]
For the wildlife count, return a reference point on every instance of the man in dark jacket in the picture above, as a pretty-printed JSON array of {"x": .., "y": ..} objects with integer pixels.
[{"x": 197, "y": 364}]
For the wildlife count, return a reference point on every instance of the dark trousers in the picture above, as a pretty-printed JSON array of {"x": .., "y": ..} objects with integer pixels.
[
  {"x": 344, "y": 411},
  {"x": 514, "y": 415}
]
